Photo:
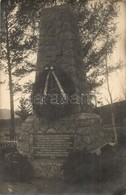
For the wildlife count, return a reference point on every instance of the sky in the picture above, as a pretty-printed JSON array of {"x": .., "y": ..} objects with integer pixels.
[{"x": 117, "y": 79}]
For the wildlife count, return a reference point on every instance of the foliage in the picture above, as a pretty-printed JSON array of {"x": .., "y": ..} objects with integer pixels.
[
  {"x": 14, "y": 166},
  {"x": 122, "y": 133},
  {"x": 17, "y": 167},
  {"x": 24, "y": 109},
  {"x": 94, "y": 19},
  {"x": 15, "y": 47},
  {"x": 9, "y": 149},
  {"x": 81, "y": 166},
  {"x": 17, "y": 44},
  {"x": 97, "y": 21},
  {"x": 109, "y": 163},
  {"x": 2, "y": 166}
]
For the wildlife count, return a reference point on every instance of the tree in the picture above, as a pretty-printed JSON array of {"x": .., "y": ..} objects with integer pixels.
[
  {"x": 14, "y": 50},
  {"x": 98, "y": 21},
  {"x": 24, "y": 109},
  {"x": 110, "y": 96},
  {"x": 6, "y": 52},
  {"x": 122, "y": 83},
  {"x": 108, "y": 69}
]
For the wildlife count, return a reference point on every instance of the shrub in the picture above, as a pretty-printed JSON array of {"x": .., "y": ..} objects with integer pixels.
[
  {"x": 109, "y": 164},
  {"x": 81, "y": 166},
  {"x": 2, "y": 166},
  {"x": 4, "y": 176},
  {"x": 18, "y": 167},
  {"x": 9, "y": 149}
]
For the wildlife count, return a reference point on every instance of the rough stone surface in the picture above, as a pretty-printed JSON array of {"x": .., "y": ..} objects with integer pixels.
[
  {"x": 59, "y": 43},
  {"x": 86, "y": 128}
]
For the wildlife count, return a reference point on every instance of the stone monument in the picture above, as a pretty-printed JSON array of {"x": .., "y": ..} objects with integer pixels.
[{"x": 60, "y": 124}]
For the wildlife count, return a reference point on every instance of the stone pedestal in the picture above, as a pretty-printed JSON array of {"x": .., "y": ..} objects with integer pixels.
[{"x": 47, "y": 146}]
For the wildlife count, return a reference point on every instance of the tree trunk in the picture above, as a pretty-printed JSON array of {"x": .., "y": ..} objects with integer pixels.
[
  {"x": 111, "y": 100},
  {"x": 12, "y": 123}
]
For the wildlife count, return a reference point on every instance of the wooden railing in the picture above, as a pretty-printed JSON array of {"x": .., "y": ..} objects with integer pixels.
[{"x": 6, "y": 143}]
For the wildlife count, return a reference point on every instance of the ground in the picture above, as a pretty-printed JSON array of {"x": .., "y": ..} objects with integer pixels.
[{"x": 55, "y": 187}]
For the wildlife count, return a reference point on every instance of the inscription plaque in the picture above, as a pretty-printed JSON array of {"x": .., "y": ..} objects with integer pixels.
[{"x": 52, "y": 145}]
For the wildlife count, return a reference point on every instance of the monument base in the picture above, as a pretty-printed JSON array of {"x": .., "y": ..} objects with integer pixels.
[
  {"x": 47, "y": 168},
  {"x": 48, "y": 145}
]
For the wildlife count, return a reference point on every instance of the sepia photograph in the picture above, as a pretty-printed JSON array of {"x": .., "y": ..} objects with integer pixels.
[{"x": 63, "y": 97}]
